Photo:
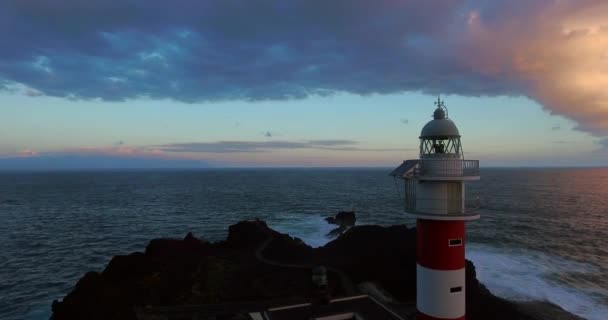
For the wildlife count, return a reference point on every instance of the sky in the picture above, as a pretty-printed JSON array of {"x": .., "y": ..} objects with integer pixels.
[{"x": 112, "y": 84}]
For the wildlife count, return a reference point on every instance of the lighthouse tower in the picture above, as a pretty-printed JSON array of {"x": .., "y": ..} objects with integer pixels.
[{"x": 435, "y": 196}]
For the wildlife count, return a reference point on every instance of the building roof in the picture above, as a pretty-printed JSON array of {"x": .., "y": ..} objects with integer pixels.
[
  {"x": 228, "y": 310},
  {"x": 362, "y": 307},
  {"x": 405, "y": 169},
  {"x": 355, "y": 307}
]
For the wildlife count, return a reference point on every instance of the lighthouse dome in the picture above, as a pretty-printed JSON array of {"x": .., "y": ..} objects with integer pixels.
[{"x": 439, "y": 129}]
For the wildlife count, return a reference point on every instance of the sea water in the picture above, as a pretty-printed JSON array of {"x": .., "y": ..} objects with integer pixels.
[{"x": 543, "y": 233}]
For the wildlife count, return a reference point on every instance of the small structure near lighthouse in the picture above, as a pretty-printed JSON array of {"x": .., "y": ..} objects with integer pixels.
[{"x": 435, "y": 196}]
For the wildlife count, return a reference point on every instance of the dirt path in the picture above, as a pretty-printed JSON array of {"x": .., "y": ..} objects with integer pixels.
[{"x": 347, "y": 285}]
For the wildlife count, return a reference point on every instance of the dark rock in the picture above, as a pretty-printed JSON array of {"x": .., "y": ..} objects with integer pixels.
[
  {"x": 247, "y": 234},
  {"x": 256, "y": 263},
  {"x": 386, "y": 255},
  {"x": 333, "y": 233},
  {"x": 190, "y": 237},
  {"x": 288, "y": 250},
  {"x": 173, "y": 247},
  {"x": 343, "y": 219}
]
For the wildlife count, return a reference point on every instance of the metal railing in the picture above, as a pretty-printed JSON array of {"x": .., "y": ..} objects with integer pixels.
[
  {"x": 449, "y": 206},
  {"x": 447, "y": 168}
]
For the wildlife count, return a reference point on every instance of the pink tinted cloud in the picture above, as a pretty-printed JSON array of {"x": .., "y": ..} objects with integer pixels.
[
  {"x": 27, "y": 153},
  {"x": 557, "y": 54},
  {"x": 123, "y": 151}
]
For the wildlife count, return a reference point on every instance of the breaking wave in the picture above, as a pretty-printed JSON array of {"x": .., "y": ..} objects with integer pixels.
[{"x": 520, "y": 274}]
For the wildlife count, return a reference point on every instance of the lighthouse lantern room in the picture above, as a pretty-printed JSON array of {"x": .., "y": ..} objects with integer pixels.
[{"x": 435, "y": 195}]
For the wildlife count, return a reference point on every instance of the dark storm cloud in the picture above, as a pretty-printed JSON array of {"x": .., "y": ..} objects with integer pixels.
[
  {"x": 203, "y": 50},
  {"x": 194, "y": 51},
  {"x": 264, "y": 146}
]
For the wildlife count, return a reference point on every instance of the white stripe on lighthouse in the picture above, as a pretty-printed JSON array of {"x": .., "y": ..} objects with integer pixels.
[{"x": 433, "y": 292}]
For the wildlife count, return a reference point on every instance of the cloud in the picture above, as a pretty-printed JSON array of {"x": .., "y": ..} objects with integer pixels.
[
  {"x": 333, "y": 143},
  {"x": 603, "y": 143},
  {"x": 265, "y": 146},
  {"x": 118, "y": 150},
  {"x": 552, "y": 51},
  {"x": 602, "y": 149},
  {"x": 194, "y": 155},
  {"x": 26, "y": 153},
  {"x": 33, "y": 93},
  {"x": 177, "y": 151}
]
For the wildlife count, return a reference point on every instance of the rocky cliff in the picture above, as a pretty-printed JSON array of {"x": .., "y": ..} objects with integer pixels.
[{"x": 258, "y": 264}]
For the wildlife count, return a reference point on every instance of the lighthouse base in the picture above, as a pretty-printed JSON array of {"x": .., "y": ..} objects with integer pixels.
[{"x": 440, "y": 270}]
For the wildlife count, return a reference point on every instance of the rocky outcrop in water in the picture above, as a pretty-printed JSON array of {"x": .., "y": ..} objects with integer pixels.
[
  {"x": 344, "y": 220},
  {"x": 258, "y": 264}
]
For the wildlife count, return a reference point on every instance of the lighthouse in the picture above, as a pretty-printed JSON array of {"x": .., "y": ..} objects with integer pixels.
[{"x": 434, "y": 194}]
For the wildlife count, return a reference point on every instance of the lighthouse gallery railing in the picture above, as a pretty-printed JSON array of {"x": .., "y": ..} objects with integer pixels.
[{"x": 447, "y": 168}]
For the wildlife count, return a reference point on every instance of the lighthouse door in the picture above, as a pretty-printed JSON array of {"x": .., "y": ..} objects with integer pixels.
[{"x": 454, "y": 197}]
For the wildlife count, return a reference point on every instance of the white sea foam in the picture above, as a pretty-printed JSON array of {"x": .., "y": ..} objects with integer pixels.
[
  {"x": 529, "y": 275},
  {"x": 515, "y": 274},
  {"x": 312, "y": 230}
]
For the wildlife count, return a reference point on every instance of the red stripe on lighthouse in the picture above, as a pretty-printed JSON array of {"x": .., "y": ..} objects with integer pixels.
[{"x": 432, "y": 244}]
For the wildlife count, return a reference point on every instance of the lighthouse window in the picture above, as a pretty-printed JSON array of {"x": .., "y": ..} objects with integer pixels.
[
  {"x": 455, "y": 242},
  {"x": 455, "y": 289}
]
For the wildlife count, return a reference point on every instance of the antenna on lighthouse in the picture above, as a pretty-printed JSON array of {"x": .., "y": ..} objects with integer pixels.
[{"x": 440, "y": 105}]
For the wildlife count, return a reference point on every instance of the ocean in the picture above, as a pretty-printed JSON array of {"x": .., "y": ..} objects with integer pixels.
[{"x": 543, "y": 233}]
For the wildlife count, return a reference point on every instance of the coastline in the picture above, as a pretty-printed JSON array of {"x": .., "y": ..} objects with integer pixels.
[{"x": 255, "y": 262}]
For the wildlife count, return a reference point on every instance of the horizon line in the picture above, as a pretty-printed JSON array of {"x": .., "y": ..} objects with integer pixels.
[{"x": 209, "y": 168}]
